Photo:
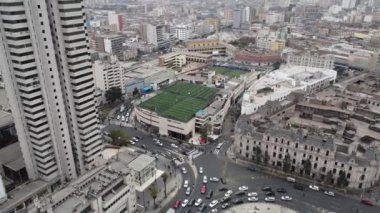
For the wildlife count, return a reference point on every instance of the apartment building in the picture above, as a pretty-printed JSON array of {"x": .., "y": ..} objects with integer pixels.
[
  {"x": 311, "y": 60},
  {"x": 48, "y": 77},
  {"x": 108, "y": 73},
  {"x": 180, "y": 59}
]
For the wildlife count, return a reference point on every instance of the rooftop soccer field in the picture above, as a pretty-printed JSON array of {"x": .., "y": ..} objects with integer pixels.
[{"x": 180, "y": 101}]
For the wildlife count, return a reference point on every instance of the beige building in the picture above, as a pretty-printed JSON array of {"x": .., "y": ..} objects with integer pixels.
[
  {"x": 180, "y": 59},
  {"x": 332, "y": 135}
]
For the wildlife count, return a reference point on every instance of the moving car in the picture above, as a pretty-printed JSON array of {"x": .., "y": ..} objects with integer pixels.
[
  {"x": 213, "y": 203},
  {"x": 270, "y": 194},
  {"x": 252, "y": 169},
  {"x": 270, "y": 199},
  {"x": 214, "y": 210},
  {"x": 184, "y": 171},
  {"x": 184, "y": 203},
  {"x": 200, "y": 170},
  {"x": 252, "y": 194},
  {"x": 266, "y": 189},
  {"x": 132, "y": 142},
  {"x": 214, "y": 179},
  {"x": 367, "y": 202},
  {"x": 286, "y": 198},
  {"x": 174, "y": 146},
  {"x": 253, "y": 199},
  {"x": 243, "y": 188},
  {"x": 225, "y": 205},
  {"x": 198, "y": 202},
  {"x": 188, "y": 191},
  {"x": 281, "y": 190},
  {"x": 186, "y": 184},
  {"x": 228, "y": 193},
  {"x": 291, "y": 179},
  {"x": 225, "y": 199},
  {"x": 136, "y": 139},
  {"x": 177, "y": 204},
  {"x": 223, "y": 189},
  {"x": 118, "y": 117},
  {"x": 329, "y": 193},
  {"x": 205, "y": 179},
  {"x": 314, "y": 187},
  {"x": 204, "y": 189},
  {"x": 123, "y": 118}
]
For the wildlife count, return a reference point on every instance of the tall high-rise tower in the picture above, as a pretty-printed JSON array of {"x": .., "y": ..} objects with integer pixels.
[{"x": 48, "y": 77}]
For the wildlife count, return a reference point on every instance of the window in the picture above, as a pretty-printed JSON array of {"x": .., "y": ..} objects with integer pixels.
[{"x": 327, "y": 153}]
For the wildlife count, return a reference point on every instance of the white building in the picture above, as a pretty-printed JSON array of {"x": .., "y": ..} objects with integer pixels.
[
  {"x": 277, "y": 85},
  {"x": 48, "y": 77},
  {"x": 348, "y": 4},
  {"x": 3, "y": 194},
  {"x": 182, "y": 32},
  {"x": 309, "y": 60},
  {"x": 108, "y": 73},
  {"x": 273, "y": 18}
]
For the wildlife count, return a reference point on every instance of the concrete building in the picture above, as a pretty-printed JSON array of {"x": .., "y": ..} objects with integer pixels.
[
  {"x": 207, "y": 46},
  {"x": 112, "y": 43},
  {"x": 323, "y": 137},
  {"x": 116, "y": 21},
  {"x": 237, "y": 18},
  {"x": 47, "y": 72},
  {"x": 108, "y": 73},
  {"x": 180, "y": 59},
  {"x": 277, "y": 85},
  {"x": 348, "y": 4},
  {"x": 270, "y": 43},
  {"x": 155, "y": 34},
  {"x": 311, "y": 60},
  {"x": 182, "y": 32},
  {"x": 274, "y": 18}
]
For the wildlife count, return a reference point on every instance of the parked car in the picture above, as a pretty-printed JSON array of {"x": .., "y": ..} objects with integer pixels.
[
  {"x": 184, "y": 203},
  {"x": 252, "y": 168},
  {"x": 186, "y": 184},
  {"x": 209, "y": 195},
  {"x": 252, "y": 194},
  {"x": 204, "y": 189},
  {"x": 243, "y": 188},
  {"x": 205, "y": 179},
  {"x": 291, "y": 179},
  {"x": 270, "y": 194},
  {"x": 184, "y": 170},
  {"x": 200, "y": 170},
  {"x": 238, "y": 201},
  {"x": 270, "y": 199},
  {"x": 214, "y": 179},
  {"x": 118, "y": 117},
  {"x": 213, "y": 203},
  {"x": 253, "y": 199},
  {"x": 136, "y": 138},
  {"x": 286, "y": 198},
  {"x": 228, "y": 193},
  {"x": 123, "y": 118},
  {"x": 240, "y": 193},
  {"x": 223, "y": 189},
  {"x": 225, "y": 199},
  {"x": 174, "y": 146},
  {"x": 177, "y": 204},
  {"x": 202, "y": 207},
  {"x": 225, "y": 205},
  {"x": 266, "y": 189},
  {"x": 314, "y": 187},
  {"x": 214, "y": 210},
  {"x": 367, "y": 202},
  {"x": 132, "y": 142},
  {"x": 281, "y": 190},
  {"x": 191, "y": 202},
  {"x": 329, "y": 193},
  {"x": 188, "y": 191},
  {"x": 198, "y": 202},
  {"x": 298, "y": 187}
]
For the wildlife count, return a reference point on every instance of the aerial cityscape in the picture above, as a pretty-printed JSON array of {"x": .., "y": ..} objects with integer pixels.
[{"x": 180, "y": 106}]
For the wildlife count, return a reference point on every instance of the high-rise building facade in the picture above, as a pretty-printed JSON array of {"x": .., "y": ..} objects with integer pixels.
[
  {"x": 348, "y": 4},
  {"x": 48, "y": 77}
]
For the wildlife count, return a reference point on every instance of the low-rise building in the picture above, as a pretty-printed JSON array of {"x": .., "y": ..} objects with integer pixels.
[
  {"x": 180, "y": 59},
  {"x": 108, "y": 73},
  {"x": 311, "y": 60}
]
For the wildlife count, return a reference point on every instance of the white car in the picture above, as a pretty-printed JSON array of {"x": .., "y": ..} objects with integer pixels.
[
  {"x": 205, "y": 179},
  {"x": 123, "y": 118},
  {"x": 252, "y": 194},
  {"x": 314, "y": 187},
  {"x": 184, "y": 171},
  {"x": 198, "y": 202},
  {"x": 135, "y": 139},
  {"x": 156, "y": 140},
  {"x": 159, "y": 143},
  {"x": 243, "y": 188},
  {"x": 214, "y": 210},
  {"x": 132, "y": 142},
  {"x": 174, "y": 146},
  {"x": 186, "y": 184},
  {"x": 253, "y": 199},
  {"x": 188, "y": 191},
  {"x": 213, "y": 203},
  {"x": 329, "y": 193},
  {"x": 118, "y": 117},
  {"x": 270, "y": 199},
  {"x": 184, "y": 203},
  {"x": 200, "y": 170},
  {"x": 228, "y": 193},
  {"x": 286, "y": 198},
  {"x": 214, "y": 179}
]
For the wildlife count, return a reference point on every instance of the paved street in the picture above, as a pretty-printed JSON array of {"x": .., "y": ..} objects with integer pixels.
[{"x": 216, "y": 164}]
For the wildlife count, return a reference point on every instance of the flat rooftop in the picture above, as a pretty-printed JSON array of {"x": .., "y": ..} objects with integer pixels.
[{"x": 180, "y": 101}]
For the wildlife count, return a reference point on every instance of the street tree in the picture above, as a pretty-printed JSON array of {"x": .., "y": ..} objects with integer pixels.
[
  {"x": 154, "y": 191},
  {"x": 113, "y": 94},
  {"x": 342, "y": 180},
  {"x": 286, "y": 163},
  {"x": 266, "y": 157},
  {"x": 165, "y": 177},
  {"x": 307, "y": 166},
  {"x": 329, "y": 177},
  {"x": 119, "y": 137},
  {"x": 258, "y": 154},
  {"x": 205, "y": 129}
]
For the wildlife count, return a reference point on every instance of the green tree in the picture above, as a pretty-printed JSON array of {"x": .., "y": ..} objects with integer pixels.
[
  {"x": 113, "y": 94},
  {"x": 165, "y": 177},
  {"x": 276, "y": 65},
  {"x": 286, "y": 164},
  {"x": 154, "y": 191},
  {"x": 119, "y": 137},
  {"x": 329, "y": 177},
  {"x": 206, "y": 128},
  {"x": 266, "y": 157},
  {"x": 307, "y": 166},
  {"x": 342, "y": 180},
  {"x": 258, "y": 154}
]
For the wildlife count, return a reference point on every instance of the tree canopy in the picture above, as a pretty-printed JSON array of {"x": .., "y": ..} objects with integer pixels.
[{"x": 113, "y": 94}]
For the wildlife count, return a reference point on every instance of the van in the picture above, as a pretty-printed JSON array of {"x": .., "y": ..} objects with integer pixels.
[{"x": 291, "y": 179}]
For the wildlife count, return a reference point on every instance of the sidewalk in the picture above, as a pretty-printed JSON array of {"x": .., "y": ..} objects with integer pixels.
[{"x": 275, "y": 172}]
